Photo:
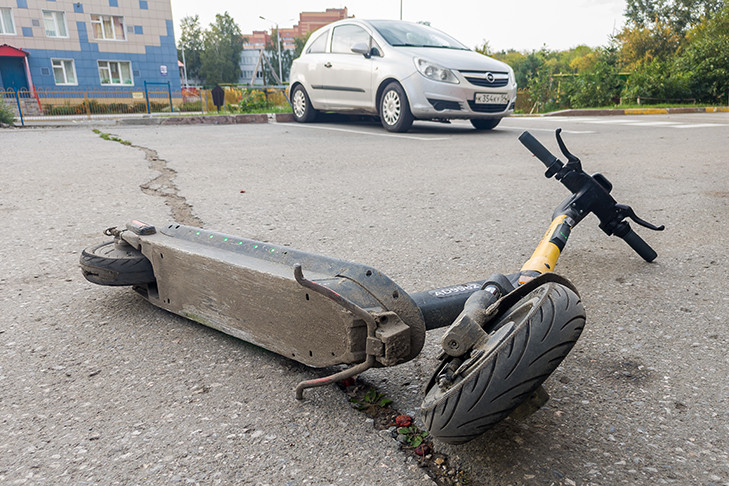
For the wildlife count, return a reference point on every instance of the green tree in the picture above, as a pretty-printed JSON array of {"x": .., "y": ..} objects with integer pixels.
[
  {"x": 222, "y": 46},
  {"x": 599, "y": 84},
  {"x": 705, "y": 60},
  {"x": 680, "y": 15},
  {"x": 641, "y": 45},
  {"x": 191, "y": 42},
  {"x": 271, "y": 52},
  {"x": 287, "y": 56}
]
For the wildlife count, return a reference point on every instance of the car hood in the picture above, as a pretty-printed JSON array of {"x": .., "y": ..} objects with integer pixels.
[{"x": 456, "y": 59}]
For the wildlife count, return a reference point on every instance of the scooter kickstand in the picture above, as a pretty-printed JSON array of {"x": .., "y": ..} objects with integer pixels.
[{"x": 354, "y": 309}]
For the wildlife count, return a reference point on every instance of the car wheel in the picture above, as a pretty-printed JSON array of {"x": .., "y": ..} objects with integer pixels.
[
  {"x": 395, "y": 114},
  {"x": 485, "y": 124},
  {"x": 301, "y": 106}
]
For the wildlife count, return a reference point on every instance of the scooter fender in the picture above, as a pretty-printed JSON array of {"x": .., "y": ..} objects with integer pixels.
[{"x": 247, "y": 289}]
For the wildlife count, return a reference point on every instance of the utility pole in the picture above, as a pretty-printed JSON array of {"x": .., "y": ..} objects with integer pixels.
[
  {"x": 278, "y": 45},
  {"x": 184, "y": 65}
]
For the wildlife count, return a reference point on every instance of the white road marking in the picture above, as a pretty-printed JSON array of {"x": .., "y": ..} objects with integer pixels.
[
  {"x": 550, "y": 130},
  {"x": 652, "y": 123},
  {"x": 608, "y": 122},
  {"x": 701, "y": 125},
  {"x": 373, "y": 133}
]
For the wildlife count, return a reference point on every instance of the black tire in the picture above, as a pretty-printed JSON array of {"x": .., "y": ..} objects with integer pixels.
[
  {"x": 527, "y": 345},
  {"x": 394, "y": 109},
  {"x": 301, "y": 106},
  {"x": 485, "y": 123},
  {"x": 111, "y": 264}
]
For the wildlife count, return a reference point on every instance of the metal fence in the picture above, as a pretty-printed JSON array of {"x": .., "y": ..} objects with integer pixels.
[
  {"x": 147, "y": 99},
  {"x": 238, "y": 98}
]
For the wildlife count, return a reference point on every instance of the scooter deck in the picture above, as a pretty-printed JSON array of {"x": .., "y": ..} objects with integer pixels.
[{"x": 247, "y": 289}]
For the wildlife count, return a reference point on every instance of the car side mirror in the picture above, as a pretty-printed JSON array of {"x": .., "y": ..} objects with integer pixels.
[{"x": 361, "y": 48}]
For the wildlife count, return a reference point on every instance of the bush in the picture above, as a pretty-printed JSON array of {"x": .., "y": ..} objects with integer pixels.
[
  {"x": 253, "y": 99},
  {"x": 658, "y": 81},
  {"x": 6, "y": 114},
  {"x": 598, "y": 85}
]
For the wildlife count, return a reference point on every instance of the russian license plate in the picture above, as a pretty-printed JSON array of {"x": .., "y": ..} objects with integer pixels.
[{"x": 492, "y": 98}]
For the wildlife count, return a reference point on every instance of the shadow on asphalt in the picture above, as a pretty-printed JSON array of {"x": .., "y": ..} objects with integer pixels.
[{"x": 419, "y": 127}]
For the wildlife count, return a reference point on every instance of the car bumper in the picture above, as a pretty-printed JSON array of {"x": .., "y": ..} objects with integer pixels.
[{"x": 432, "y": 99}]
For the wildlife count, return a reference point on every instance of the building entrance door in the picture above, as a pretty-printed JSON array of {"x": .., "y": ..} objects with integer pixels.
[{"x": 12, "y": 73}]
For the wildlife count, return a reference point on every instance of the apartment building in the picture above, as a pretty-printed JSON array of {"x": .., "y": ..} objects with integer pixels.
[
  {"x": 87, "y": 44},
  {"x": 251, "y": 62}
]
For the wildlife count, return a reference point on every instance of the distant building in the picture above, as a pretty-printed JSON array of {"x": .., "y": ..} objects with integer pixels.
[
  {"x": 86, "y": 45},
  {"x": 251, "y": 61}
]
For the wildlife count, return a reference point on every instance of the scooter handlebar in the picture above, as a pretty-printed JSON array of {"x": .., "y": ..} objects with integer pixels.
[
  {"x": 539, "y": 150},
  {"x": 639, "y": 245},
  {"x": 591, "y": 194}
]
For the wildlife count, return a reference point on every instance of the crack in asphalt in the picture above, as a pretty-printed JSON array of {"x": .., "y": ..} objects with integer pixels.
[{"x": 164, "y": 186}]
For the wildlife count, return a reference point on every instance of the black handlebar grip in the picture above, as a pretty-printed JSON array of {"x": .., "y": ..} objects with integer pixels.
[
  {"x": 640, "y": 246},
  {"x": 539, "y": 150}
]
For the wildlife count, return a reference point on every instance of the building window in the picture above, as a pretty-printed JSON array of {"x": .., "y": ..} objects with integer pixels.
[
  {"x": 108, "y": 27},
  {"x": 55, "y": 23},
  {"x": 115, "y": 73},
  {"x": 64, "y": 71},
  {"x": 7, "y": 26}
]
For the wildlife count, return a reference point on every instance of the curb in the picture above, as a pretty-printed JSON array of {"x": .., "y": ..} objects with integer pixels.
[
  {"x": 211, "y": 119},
  {"x": 289, "y": 117},
  {"x": 640, "y": 111}
]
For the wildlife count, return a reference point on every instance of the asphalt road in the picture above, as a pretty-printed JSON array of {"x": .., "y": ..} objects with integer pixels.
[{"x": 99, "y": 387}]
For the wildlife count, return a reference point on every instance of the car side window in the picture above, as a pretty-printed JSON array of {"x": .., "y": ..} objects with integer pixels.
[
  {"x": 345, "y": 36},
  {"x": 319, "y": 45},
  {"x": 375, "y": 48}
]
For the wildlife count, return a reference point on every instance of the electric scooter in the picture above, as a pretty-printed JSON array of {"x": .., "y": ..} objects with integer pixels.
[{"x": 506, "y": 334}]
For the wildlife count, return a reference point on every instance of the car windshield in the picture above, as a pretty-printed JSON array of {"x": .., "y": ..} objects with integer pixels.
[{"x": 399, "y": 34}]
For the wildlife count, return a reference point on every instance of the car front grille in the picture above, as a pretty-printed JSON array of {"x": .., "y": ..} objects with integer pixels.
[
  {"x": 484, "y": 83},
  {"x": 441, "y": 105},
  {"x": 487, "y": 108}
]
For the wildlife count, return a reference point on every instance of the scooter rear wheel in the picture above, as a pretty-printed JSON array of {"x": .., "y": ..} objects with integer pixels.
[
  {"x": 524, "y": 348},
  {"x": 115, "y": 264}
]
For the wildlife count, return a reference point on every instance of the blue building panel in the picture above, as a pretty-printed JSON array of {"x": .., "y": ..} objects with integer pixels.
[
  {"x": 150, "y": 63},
  {"x": 143, "y": 5}
]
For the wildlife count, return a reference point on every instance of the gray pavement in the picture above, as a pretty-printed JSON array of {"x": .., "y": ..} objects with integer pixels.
[{"x": 98, "y": 387}]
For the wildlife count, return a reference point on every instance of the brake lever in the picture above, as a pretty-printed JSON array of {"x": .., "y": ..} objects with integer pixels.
[
  {"x": 573, "y": 163},
  {"x": 625, "y": 211}
]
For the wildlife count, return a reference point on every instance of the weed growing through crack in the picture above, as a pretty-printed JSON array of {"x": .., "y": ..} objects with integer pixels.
[
  {"x": 403, "y": 429},
  {"x": 110, "y": 137}
]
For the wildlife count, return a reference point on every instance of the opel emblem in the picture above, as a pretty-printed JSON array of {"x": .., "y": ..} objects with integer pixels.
[{"x": 490, "y": 77}]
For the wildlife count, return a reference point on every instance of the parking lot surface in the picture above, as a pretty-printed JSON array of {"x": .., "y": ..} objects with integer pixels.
[{"x": 99, "y": 387}]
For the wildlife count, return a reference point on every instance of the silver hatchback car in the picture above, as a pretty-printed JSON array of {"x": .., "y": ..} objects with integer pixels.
[{"x": 400, "y": 71}]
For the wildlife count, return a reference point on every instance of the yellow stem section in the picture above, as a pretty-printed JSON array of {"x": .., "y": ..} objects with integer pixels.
[{"x": 545, "y": 256}]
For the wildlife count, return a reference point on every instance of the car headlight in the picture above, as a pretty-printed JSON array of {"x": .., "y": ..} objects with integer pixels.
[{"x": 434, "y": 71}]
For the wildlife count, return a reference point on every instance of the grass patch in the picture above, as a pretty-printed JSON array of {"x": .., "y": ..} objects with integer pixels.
[
  {"x": 6, "y": 114},
  {"x": 110, "y": 137}
]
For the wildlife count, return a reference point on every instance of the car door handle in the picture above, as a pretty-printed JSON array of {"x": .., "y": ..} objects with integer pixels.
[{"x": 327, "y": 64}]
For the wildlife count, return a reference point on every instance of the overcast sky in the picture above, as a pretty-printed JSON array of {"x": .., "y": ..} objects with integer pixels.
[{"x": 505, "y": 24}]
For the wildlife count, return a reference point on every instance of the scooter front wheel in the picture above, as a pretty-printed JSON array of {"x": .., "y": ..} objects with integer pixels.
[
  {"x": 113, "y": 263},
  {"x": 467, "y": 397}
]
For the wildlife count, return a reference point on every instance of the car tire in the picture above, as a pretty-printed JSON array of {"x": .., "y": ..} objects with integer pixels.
[
  {"x": 395, "y": 114},
  {"x": 485, "y": 124},
  {"x": 301, "y": 106}
]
